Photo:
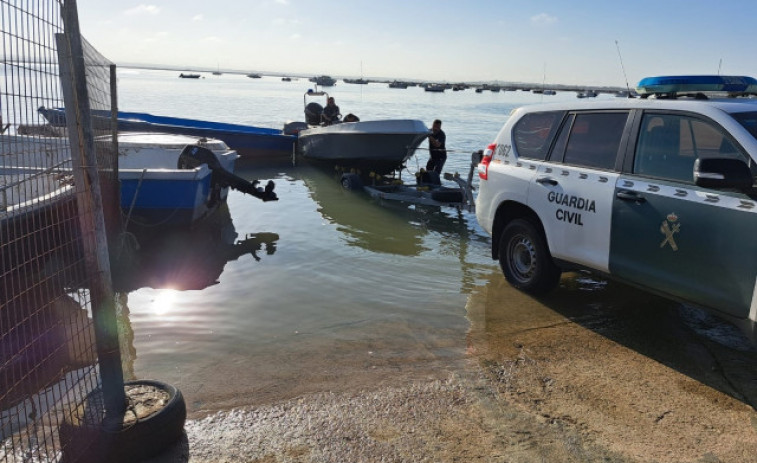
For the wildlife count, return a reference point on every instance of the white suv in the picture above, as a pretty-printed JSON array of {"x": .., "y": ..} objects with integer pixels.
[{"x": 656, "y": 192}]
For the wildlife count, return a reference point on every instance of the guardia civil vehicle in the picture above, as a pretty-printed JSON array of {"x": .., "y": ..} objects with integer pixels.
[{"x": 655, "y": 191}]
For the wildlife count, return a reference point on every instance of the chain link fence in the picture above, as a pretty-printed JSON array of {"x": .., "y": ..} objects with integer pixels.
[{"x": 56, "y": 211}]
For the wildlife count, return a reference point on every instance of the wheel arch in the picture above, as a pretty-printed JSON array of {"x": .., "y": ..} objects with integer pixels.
[{"x": 506, "y": 213}]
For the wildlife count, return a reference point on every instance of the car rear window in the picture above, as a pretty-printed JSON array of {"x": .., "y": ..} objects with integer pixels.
[
  {"x": 594, "y": 139},
  {"x": 533, "y": 134}
]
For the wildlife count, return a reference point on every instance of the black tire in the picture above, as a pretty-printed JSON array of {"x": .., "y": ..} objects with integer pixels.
[
  {"x": 85, "y": 442},
  {"x": 351, "y": 182},
  {"x": 447, "y": 195},
  {"x": 525, "y": 258}
]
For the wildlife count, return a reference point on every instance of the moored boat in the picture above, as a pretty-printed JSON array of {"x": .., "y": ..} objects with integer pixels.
[
  {"x": 189, "y": 76},
  {"x": 166, "y": 179},
  {"x": 324, "y": 81},
  {"x": 434, "y": 88},
  {"x": 250, "y": 142}
]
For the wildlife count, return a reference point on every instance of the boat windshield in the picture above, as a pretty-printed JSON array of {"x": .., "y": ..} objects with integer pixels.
[{"x": 748, "y": 120}]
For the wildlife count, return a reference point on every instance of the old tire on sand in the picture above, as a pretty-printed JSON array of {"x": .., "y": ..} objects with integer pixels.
[{"x": 154, "y": 421}]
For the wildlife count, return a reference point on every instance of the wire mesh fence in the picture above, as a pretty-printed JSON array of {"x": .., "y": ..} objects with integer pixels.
[{"x": 48, "y": 289}]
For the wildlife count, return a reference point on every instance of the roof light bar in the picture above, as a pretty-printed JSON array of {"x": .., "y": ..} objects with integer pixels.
[{"x": 693, "y": 84}]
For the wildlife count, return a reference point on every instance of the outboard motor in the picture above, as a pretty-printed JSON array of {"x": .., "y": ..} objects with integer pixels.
[
  {"x": 194, "y": 156},
  {"x": 313, "y": 113}
]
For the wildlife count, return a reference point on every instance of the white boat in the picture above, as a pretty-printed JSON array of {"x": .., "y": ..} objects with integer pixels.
[{"x": 379, "y": 146}]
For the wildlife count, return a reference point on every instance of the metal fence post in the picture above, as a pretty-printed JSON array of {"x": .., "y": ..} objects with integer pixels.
[{"x": 90, "y": 204}]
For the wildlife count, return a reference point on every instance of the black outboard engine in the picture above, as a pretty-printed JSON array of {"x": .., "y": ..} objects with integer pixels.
[
  {"x": 194, "y": 156},
  {"x": 313, "y": 113}
]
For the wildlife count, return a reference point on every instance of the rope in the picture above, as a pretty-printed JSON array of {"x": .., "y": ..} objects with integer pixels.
[{"x": 447, "y": 150}]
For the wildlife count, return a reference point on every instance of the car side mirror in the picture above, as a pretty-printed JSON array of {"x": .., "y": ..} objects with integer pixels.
[{"x": 722, "y": 173}]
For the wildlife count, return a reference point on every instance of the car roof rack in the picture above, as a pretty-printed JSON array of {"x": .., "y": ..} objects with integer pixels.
[{"x": 696, "y": 86}]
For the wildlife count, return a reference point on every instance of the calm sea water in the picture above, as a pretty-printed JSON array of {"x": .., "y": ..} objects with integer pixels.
[{"x": 324, "y": 289}]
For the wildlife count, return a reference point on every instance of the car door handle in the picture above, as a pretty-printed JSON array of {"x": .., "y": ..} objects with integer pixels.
[
  {"x": 546, "y": 181},
  {"x": 630, "y": 196}
]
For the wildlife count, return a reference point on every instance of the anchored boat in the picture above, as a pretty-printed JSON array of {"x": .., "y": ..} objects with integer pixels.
[
  {"x": 167, "y": 180},
  {"x": 248, "y": 141}
]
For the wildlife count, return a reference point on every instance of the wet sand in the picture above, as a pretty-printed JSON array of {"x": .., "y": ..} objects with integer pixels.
[{"x": 596, "y": 372}]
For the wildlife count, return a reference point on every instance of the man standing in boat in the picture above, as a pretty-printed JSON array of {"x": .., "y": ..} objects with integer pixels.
[
  {"x": 437, "y": 148},
  {"x": 330, "y": 112}
]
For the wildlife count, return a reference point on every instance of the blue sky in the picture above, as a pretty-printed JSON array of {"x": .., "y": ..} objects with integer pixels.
[{"x": 566, "y": 42}]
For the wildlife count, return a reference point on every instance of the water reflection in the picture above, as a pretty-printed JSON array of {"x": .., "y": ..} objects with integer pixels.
[
  {"x": 387, "y": 227},
  {"x": 178, "y": 261},
  {"x": 190, "y": 259}
]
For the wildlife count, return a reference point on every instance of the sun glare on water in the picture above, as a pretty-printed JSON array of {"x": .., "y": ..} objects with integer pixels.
[{"x": 164, "y": 302}]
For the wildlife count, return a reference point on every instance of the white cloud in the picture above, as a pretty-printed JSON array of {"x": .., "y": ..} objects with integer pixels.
[
  {"x": 282, "y": 2},
  {"x": 212, "y": 39},
  {"x": 143, "y": 9},
  {"x": 295, "y": 36},
  {"x": 543, "y": 19},
  {"x": 197, "y": 18}
]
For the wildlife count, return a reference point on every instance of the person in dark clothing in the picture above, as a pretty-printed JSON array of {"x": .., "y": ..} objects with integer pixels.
[
  {"x": 437, "y": 148},
  {"x": 330, "y": 112}
]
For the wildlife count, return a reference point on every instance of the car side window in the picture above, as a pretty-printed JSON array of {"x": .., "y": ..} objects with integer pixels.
[
  {"x": 594, "y": 139},
  {"x": 533, "y": 134},
  {"x": 669, "y": 144}
]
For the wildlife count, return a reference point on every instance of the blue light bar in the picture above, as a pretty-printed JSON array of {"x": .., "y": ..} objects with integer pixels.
[{"x": 694, "y": 84}]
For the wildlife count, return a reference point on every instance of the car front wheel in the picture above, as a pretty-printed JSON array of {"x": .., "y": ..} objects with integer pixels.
[{"x": 525, "y": 258}]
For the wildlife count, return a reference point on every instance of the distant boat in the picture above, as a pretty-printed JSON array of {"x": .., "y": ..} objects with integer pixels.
[
  {"x": 397, "y": 84},
  {"x": 189, "y": 76},
  {"x": 217, "y": 73},
  {"x": 253, "y": 76},
  {"x": 587, "y": 94},
  {"x": 549, "y": 92},
  {"x": 323, "y": 81},
  {"x": 434, "y": 88},
  {"x": 479, "y": 90},
  {"x": 286, "y": 79},
  {"x": 360, "y": 81}
]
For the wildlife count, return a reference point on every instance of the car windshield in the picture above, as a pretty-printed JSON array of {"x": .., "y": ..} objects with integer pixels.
[{"x": 748, "y": 120}]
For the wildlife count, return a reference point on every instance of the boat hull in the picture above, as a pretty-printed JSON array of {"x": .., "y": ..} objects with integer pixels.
[
  {"x": 371, "y": 146},
  {"x": 156, "y": 191},
  {"x": 249, "y": 142}
]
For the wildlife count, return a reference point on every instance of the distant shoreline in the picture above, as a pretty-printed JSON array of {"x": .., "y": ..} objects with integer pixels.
[{"x": 522, "y": 86}]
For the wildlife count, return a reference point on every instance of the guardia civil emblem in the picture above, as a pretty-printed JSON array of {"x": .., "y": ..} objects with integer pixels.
[{"x": 669, "y": 228}]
